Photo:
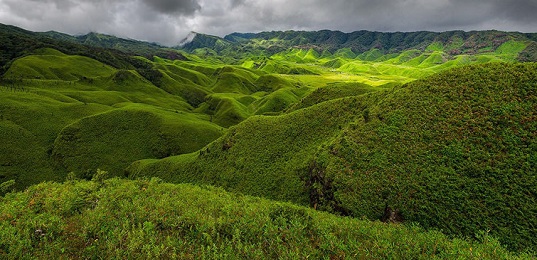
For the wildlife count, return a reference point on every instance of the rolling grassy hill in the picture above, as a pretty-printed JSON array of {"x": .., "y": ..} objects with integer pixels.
[
  {"x": 454, "y": 151},
  {"x": 79, "y": 115},
  {"x": 436, "y": 128}
]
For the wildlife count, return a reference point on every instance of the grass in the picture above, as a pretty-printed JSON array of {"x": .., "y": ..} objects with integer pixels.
[
  {"x": 225, "y": 109},
  {"x": 88, "y": 219},
  {"x": 333, "y": 91},
  {"x": 370, "y": 55},
  {"x": 426, "y": 148},
  {"x": 114, "y": 139},
  {"x": 232, "y": 83},
  {"x": 29, "y": 125},
  {"x": 53, "y": 64},
  {"x": 299, "y": 125},
  {"x": 64, "y": 113},
  {"x": 260, "y": 162},
  {"x": 280, "y": 100}
]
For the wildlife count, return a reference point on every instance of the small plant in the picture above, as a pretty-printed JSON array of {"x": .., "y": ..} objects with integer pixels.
[
  {"x": 100, "y": 176},
  {"x": 71, "y": 176},
  {"x": 7, "y": 186}
]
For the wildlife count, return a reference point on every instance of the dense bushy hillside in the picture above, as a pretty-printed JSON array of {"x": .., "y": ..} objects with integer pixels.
[
  {"x": 148, "y": 219},
  {"x": 455, "y": 151}
]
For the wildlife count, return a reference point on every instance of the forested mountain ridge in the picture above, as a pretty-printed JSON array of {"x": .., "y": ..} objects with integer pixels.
[
  {"x": 16, "y": 42},
  {"x": 454, "y": 42}
]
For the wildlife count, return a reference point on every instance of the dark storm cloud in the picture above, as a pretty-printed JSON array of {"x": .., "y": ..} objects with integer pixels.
[
  {"x": 517, "y": 10},
  {"x": 173, "y": 6},
  {"x": 167, "y": 21}
]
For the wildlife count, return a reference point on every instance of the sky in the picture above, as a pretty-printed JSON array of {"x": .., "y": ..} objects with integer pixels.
[{"x": 168, "y": 21}]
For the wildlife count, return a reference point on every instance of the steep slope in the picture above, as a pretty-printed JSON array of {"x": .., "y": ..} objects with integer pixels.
[
  {"x": 464, "y": 139},
  {"x": 29, "y": 123},
  {"x": 145, "y": 219},
  {"x": 199, "y": 41},
  {"x": 456, "y": 151}
]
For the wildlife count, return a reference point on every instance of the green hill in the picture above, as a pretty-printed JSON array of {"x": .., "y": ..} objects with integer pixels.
[
  {"x": 454, "y": 151},
  {"x": 51, "y": 64},
  {"x": 113, "y": 140},
  {"x": 17, "y": 43},
  {"x": 64, "y": 113},
  {"x": 149, "y": 219},
  {"x": 435, "y": 129},
  {"x": 83, "y": 114}
]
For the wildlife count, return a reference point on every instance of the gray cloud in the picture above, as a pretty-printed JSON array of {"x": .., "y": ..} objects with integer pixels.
[
  {"x": 173, "y": 6},
  {"x": 167, "y": 21},
  {"x": 517, "y": 10}
]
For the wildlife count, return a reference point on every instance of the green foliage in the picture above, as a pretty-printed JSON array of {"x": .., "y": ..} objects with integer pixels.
[
  {"x": 435, "y": 46},
  {"x": 6, "y": 186},
  {"x": 300, "y": 46},
  {"x": 114, "y": 139},
  {"x": 262, "y": 156},
  {"x": 454, "y": 151},
  {"x": 106, "y": 111},
  {"x": 529, "y": 53},
  {"x": 371, "y": 55},
  {"x": 54, "y": 65},
  {"x": 17, "y": 43},
  {"x": 145, "y": 219},
  {"x": 100, "y": 176},
  {"x": 333, "y": 91},
  {"x": 328, "y": 139},
  {"x": 460, "y": 139}
]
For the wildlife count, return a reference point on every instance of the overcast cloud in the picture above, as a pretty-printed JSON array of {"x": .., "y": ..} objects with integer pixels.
[{"x": 168, "y": 21}]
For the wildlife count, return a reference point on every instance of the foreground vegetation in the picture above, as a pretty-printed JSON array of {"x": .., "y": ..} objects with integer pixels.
[{"x": 148, "y": 219}]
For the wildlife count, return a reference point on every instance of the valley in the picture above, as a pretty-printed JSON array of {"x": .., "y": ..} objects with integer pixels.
[{"x": 297, "y": 132}]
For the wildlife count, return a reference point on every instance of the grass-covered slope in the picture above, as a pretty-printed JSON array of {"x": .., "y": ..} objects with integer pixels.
[
  {"x": 455, "y": 151},
  {"x": 334, "y": 91},
  {"x": 81, "y": 114},
  {"x": 113, "y": 140},
  {"x": 53, "y": 65},
  {"x": 262, "y": 156},
  {"x": 148, "y": 219},
  {"x": 62, "y": 113},
  {"x": 29, "y": 123}
]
